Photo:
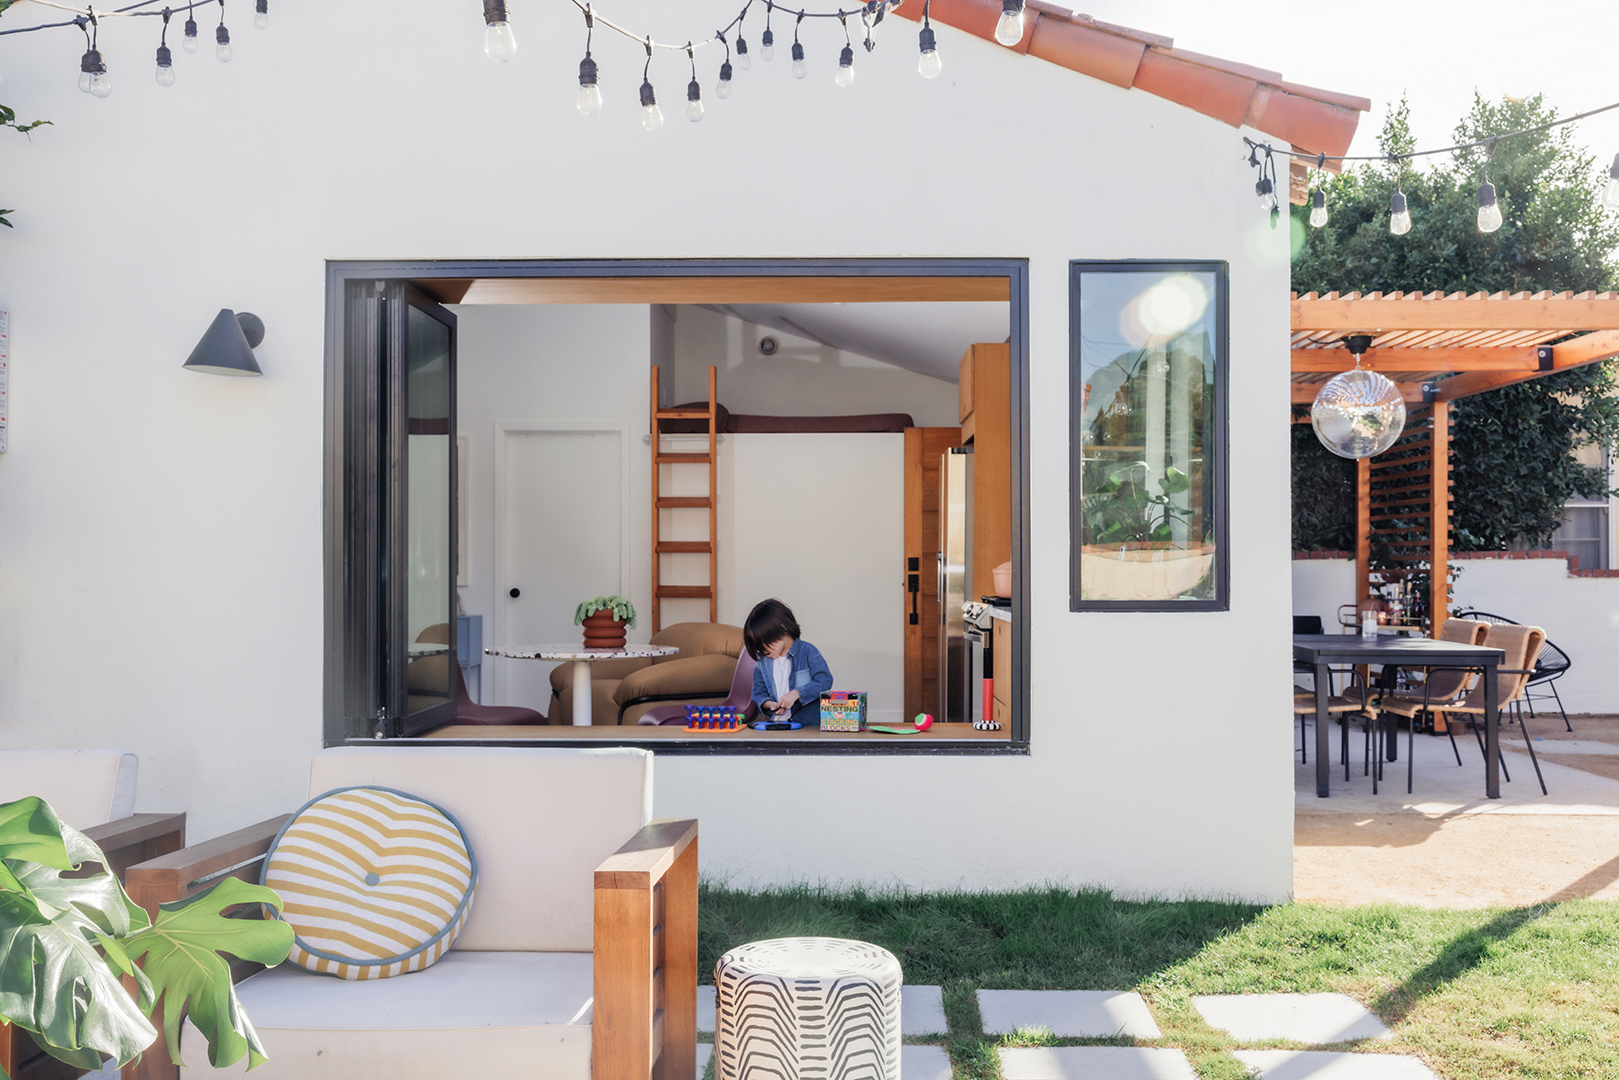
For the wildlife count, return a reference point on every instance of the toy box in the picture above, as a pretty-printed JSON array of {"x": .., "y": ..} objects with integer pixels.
[{"x": 843, "y": 710}]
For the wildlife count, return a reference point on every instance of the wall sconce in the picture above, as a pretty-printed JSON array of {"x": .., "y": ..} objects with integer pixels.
[{"x": 227, "y": 347}]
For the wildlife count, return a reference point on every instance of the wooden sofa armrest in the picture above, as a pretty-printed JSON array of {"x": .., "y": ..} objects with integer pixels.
[
  {"x": 175, "y": 876},
  {"x": 646, "y": 957},
  {"x": 137, "y": 838}
]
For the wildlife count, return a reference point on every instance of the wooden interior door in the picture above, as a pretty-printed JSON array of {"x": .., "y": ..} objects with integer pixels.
[{"x": 920, "y": 612}]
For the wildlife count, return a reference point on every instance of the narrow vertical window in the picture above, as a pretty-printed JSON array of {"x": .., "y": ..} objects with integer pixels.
[{"x": 1148, "y": 436}]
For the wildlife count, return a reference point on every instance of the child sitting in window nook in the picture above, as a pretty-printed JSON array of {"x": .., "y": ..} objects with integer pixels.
[{"x": 789, "y": 676}]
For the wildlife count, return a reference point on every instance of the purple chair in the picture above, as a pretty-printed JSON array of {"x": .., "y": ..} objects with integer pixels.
[
  {"x": 740, "y": 697},
  {"x": 468, "y": 711}
]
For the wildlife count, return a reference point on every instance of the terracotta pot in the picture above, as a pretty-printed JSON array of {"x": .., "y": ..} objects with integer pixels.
[{"x": 602, "y": 631}]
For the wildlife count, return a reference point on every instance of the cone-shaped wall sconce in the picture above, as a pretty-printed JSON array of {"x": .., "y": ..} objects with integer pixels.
[{"x": 227, "y": 347}]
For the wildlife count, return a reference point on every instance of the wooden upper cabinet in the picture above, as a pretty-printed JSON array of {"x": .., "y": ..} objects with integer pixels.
[{"x": 986, "y": 422}]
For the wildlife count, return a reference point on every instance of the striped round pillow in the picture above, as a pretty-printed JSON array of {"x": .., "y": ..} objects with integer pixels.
[{"x": 373, "y": 882}]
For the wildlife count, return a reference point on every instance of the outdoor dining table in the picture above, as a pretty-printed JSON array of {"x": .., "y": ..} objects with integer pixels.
[{"x": 1321, "y": 651}]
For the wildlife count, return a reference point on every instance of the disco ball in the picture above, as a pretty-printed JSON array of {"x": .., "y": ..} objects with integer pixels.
[{"x": 1358, "y": 414}]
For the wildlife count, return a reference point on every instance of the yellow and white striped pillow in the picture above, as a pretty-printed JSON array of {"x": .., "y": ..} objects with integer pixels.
[{"x": 373, "y": 882}]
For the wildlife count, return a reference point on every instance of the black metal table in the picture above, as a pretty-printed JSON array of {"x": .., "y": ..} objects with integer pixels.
[{"x": 1321, "y": 651}]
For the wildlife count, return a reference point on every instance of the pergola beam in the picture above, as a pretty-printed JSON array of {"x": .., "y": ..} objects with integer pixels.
[
  {"x": 1564, "y": 313},
  {"x": 1565, "y": 357},
  {"x": 1462, "y": 358},
  {"x": 1304, "y": 393}
]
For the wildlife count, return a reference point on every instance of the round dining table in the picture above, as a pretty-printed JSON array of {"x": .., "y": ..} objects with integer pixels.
[{"x": 582, "y": 659}]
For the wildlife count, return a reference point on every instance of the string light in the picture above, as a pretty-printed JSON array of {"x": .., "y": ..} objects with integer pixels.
[
  {"x": 930, "y": 64},
  {"x": 1399, "y": 214},
  {"x": 1318, "y": 198},
  {"x": 694, "y": 91},
  {"x": 1009, "y": 28},
  {"x": 1610, "y": 194},
  {"x": 93, "y": 77},
  {"x": 723, "y": 89},
  {"x": 165, "y": 59},
  {"x": 1489, "y": 211},
  {"x": 651, "y": 115},
  {"x": 222, "y": 37},
  {"x": 190, "y": 40},
  {"x": 499, "y": 43},
  {"x": 261, "y": 15},
  {"x": 1265, "y": 186},
  {"x": 800, "y": 69},
  {"x": 743, "y": 60},
  {"x": 845, "y": 75},
  {"x": 589, "y": 101},
  {"x": 767, "y": 40}
]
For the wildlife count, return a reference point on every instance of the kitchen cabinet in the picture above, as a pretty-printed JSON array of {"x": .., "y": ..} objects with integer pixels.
[{"x": 986, "y": 425}]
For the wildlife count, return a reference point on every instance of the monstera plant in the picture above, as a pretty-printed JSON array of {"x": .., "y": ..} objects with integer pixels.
[{"x": 66, "y": 941}]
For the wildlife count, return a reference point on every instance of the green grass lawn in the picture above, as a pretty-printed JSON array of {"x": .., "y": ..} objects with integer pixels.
[{"x": 1479, "y": 995}]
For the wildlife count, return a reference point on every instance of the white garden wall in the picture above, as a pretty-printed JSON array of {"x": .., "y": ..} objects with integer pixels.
[
  {"x": 161, "y": 531},
  {"x": 1579, "y": 614}
]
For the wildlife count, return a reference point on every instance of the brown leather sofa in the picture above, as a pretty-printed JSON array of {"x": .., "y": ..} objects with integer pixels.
[{"x": 621, "y": 690}]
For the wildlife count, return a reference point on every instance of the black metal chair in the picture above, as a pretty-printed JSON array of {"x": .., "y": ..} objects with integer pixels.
[{"x": 1552, "y": 664}]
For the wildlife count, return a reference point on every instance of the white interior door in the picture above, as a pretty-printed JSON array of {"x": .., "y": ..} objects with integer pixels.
[{"x": 562, "y": 537}]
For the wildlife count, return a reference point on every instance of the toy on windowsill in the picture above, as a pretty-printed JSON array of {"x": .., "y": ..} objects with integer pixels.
[
  {"x": 987, "y": 725},
  {"x": 923, "y": 722},
  {"x": 713, "y": 719},
  {"x": 843, "y": 710}
]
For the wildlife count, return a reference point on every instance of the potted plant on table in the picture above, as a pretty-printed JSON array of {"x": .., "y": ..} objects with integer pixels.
[
  {"x": 66, "y": 942},
  {"x": 604, "y": 619}
]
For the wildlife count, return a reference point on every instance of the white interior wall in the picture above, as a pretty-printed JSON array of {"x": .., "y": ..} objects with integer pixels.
[
  {"x": 1579, "y": 614},
  {"x": 802, "y": 378},
  {"x": 157, "y": 521}
]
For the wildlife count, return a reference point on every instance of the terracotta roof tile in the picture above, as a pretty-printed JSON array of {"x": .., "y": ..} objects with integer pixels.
[{"x": 1314, "y": 121}]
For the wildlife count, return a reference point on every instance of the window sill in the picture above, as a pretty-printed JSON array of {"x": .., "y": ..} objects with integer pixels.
[{"x": 942, "y": 739}]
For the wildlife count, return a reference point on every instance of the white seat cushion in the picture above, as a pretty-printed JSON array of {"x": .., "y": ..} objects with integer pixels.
[
  {"x": 471, "y": 1014},
  {"x": 84, "y": 787}
]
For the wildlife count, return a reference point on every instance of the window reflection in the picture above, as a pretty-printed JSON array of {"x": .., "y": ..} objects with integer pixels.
[{"x": 1146, "y": 369}]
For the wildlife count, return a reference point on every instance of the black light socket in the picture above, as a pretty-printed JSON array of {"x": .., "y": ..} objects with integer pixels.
[
  {"x": 1358, "y": 344},
  {"x": 222, "y": 35},
  {"x": 191, "y": 27},
  {"x": 494, "y": 11},
  {"x": 742, "y": 50},
  {"x": 1263, "y": 187},
  {"x": 587, "y": 72},
  {"x": 927, "y": 39},
  {"x": 798, "y": 51},
  {"x": 725, "y": 71},
  {"x": 262, "y": 7},
  {"x": 1613, "y": 172},
  {"x": 693, "y": 91},
  {"x": 1318, "y": 199},
  {"x": 1011, "y": 7},
  {"x": 846, "y": 57},
  {"x": 1486, "y": 194},
  {"x": 91, "y": 62},
  {"x": 767, "y": 39},
  {"x": 647, "y": 96},
  {"x": 164, "y": 57},
  {"x": 1397, "y": 203}
]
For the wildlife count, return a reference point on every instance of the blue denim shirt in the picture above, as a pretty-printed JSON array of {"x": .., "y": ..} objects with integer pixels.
[{"x": 810, "y": 677}]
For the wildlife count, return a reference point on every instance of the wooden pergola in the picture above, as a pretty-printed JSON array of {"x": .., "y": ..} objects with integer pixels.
[{"x": 1437, "y": 348}]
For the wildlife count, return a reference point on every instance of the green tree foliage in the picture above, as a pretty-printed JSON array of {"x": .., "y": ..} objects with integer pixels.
[
  {"x": 1511, "y": 447},
  {"x": 8, "y": 118}
]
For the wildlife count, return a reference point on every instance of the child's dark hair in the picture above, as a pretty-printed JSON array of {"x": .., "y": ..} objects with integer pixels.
[{"x": 768, "y": 622}]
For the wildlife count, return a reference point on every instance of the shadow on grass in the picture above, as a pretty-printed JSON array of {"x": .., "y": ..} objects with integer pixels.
[{"x": 1459, "y": 956}]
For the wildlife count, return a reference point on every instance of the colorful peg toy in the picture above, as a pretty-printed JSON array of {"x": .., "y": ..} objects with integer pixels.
[{"x": 713, "y": 719}]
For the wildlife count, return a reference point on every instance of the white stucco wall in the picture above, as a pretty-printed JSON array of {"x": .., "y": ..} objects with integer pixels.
[
  {"x": 1579, "y": 614},
  {"x": 161, "y": 585}
]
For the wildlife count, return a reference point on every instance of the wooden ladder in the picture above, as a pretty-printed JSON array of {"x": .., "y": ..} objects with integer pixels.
[{"x": 662, "y": 547}]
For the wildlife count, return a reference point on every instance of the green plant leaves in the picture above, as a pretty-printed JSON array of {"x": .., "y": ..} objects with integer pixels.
[
  {"x": 189, "y": 974},
  {"x": 618, "y": 605}
]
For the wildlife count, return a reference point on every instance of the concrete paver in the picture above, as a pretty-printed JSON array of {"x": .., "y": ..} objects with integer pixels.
[
  {"x": 704, "y": 1052},
  {"x": 1306, "y": 1018},
  {"x": 705, "y": 1008},
  {"x": 1094, "y": 1063},
  {"x": 1067, "y": 1013},
  {"x": 1321, "y": 1065},
  {"x": 924, "y": 1063},
  {"x": 921, "y": 1010}
]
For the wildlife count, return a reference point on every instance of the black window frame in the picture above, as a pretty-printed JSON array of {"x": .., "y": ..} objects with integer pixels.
[
  {"x": 342, "y": 654},
  {"x": 1077, "y": 268}
]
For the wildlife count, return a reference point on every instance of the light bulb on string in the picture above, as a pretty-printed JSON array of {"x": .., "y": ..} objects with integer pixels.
[
  {"x": 165, "y": 59},
  {"x": 694, "y": 90},
  {"x": 1318, "y": 208},
  {"x": 1009, "y": 28},
  {"x": 767, "y": 40},
  {"x": 222, "y": 37},
  {"x": 589, "y": 100},
  {"x": 261, "y": 15},
  {"x": 845, "y": 74},
  {"x": 929, "y": 64},
  {"x": 189, "y": 42},
  {"x": 93, "y": 77},
  {"x": 723, "y": 88},
  {"x": 1399, "y": 215},
  {"x": 1610, "y": 194},
  {"x": 1489, "y": 210},
  {"x": 499, "y": 43},
  {"x": 651, "y": 115},
  {"x": 800, "y": 69},
  {"x": 743, "y": 60}
]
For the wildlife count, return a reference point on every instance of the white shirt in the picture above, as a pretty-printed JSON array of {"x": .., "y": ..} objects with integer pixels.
[{"x": 781, "y": 673}]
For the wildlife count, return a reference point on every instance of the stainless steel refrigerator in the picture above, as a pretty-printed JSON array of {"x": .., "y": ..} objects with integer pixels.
[{"x": 955, "y": 584}]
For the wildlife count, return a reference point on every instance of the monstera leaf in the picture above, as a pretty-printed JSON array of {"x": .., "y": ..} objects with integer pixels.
[
  {"x": 54, "y": 982},
  {"x": 182, "y": 949}
]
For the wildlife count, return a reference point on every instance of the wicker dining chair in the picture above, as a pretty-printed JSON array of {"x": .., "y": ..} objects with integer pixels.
[
  {"x": 1521, "y": 645},
  {"x": 1552, "y": 664},
  {"x": 1355, "y": 699},
  {"x": 1442, "y": 689}
]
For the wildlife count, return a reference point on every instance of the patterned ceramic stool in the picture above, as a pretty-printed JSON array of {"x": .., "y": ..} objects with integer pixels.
[{"x": 807, "y": 1009}]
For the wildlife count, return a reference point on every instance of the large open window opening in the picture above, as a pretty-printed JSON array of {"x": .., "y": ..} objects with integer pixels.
[{"x": 501, "y": 447}]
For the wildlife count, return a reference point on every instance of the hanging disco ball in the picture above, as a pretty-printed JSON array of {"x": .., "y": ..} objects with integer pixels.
[{"x": 1358, "y": 414}]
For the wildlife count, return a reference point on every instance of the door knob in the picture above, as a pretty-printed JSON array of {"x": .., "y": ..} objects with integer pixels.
[{"x": 515, "y": 593}]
